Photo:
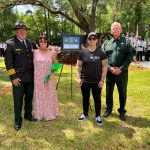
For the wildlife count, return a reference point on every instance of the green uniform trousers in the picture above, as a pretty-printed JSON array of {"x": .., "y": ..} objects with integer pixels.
[
  {"x": 23, "y": 92},
  {"x": 121, "y": 82}
]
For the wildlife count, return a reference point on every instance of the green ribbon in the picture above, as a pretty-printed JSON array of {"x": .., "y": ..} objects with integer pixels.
[{"x": 55, "y": 66}]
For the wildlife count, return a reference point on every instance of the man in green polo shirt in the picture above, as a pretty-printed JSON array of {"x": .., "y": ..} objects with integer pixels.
[{"x": 120, "y": 54}]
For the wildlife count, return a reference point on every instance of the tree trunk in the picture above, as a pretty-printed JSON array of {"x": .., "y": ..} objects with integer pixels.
[{"x": 93, "y": 14}]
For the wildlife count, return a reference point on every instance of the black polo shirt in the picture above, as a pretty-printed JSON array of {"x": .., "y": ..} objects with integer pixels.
[{"x": 91, "y": 65}]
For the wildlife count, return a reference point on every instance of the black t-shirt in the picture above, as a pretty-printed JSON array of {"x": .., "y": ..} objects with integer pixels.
[{"x": 91, "y": 65}]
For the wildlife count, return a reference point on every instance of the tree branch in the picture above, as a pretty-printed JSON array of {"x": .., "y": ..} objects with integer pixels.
[{"x": 82, "y": 24}]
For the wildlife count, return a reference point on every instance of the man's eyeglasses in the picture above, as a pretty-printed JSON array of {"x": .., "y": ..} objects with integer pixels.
[{"x": 90, "y": 39}]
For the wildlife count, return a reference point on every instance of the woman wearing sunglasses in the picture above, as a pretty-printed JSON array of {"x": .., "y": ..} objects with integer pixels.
[
  {"x": 45, "y": 96},
  {"x": 91, "y": 71}
]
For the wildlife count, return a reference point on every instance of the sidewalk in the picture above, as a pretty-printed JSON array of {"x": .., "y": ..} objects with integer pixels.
[{"x": 144, "y": 64}]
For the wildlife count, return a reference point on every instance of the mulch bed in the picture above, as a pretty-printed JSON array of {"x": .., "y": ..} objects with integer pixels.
[
  {"x": 5, "y": 90},
  {"x": 137, "y": 67}
]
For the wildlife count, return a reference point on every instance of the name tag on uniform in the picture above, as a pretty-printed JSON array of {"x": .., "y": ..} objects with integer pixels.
[{"x": 17, "y": 49}]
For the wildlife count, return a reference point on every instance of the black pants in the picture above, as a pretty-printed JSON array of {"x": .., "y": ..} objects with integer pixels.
[
  {"x": 139, "y": 55},
  {"x": 20, "y": 93},
  {"x": 147, "y": 55},
  {"x": 1, "y": 52},
  {"x": 121, "y": 82},
  {"x": 96, "y": 92}
]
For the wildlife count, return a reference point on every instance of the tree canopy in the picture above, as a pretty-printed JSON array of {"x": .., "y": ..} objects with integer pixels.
[{"x": 80, "y": 16}]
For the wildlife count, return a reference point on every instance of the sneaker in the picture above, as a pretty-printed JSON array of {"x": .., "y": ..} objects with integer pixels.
[
  {"x": 82, "y": 117},
  {"x": 122, "y": 117},
  {"x": 99, "y": 120},
  {"x": 107, "y": 113}
]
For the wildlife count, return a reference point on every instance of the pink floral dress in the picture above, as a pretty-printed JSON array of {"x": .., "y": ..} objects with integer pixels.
[{"x": 45, "y": 95}]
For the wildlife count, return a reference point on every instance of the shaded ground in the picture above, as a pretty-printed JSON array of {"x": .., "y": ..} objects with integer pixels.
[{"x": 67, "y": 133}]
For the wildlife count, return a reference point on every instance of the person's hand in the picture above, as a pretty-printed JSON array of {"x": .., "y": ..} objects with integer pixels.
[
  {"x": 115, "y": 70},
  {"x": 16, "y": 82},
  {"x": 100, "y": 84},
  {"x": 112, "y": 69},
  {"x": 80, "y": 82}
]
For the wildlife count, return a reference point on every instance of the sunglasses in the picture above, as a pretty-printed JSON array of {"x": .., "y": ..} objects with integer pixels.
[
  {"x": 90, "y": 39},
  {"x": 41, "y": 40}
]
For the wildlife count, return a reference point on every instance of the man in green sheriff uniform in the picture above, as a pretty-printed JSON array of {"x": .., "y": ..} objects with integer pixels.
[
  {"x": 120, "y": 54},
  {"x": 19, "y": 65}
]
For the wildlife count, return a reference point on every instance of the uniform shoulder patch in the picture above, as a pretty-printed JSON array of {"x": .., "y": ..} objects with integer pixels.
[{"x": 10, "y": 41}]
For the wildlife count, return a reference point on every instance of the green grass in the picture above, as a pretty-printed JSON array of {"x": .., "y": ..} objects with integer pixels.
[
  {"x": 4, "y": 81},
  {"x": 2, "y": 64},
  {"x": 66, "y": 133}
]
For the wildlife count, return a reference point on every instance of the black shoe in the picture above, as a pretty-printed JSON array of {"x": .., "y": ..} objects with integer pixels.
[
  {"x": 32, "y": 119},
  {"x": 107, "y": 113},
  {"x": 17, "y": 126},
  {"x": 122, "y": 117}
]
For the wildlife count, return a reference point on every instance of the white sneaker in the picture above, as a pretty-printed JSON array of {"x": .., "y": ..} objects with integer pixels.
[
  {"x": 99, "y": 120},
  {"x": 82, "y": 117}
]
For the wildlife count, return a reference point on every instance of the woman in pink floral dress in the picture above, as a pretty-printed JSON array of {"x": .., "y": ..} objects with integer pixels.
[{"x": 45, "y": 94}]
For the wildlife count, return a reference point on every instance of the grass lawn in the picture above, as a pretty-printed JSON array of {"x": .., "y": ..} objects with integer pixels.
[{"x": 66, "y": 133}]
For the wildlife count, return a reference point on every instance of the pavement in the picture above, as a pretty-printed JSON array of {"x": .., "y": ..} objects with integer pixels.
[{"x": 144, "y": 64}]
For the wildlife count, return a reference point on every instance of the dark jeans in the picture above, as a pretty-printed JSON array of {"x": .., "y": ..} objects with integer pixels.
[
  {"x": 121, "y": 82},
  {"x": 20, "y": 93},
  {"x": 96, "y": 92}
]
